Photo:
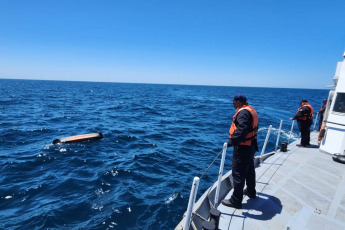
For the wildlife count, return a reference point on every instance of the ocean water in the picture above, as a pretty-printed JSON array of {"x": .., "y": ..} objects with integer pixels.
[{"x": 156, "y": 139}]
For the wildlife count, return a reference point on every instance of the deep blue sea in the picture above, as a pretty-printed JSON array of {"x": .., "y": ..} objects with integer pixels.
[{"x": 156, "y": 139}]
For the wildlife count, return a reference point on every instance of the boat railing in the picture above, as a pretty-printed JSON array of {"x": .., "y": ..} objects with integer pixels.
[
  {"x": 191, "y": 202},
  {"x": 220, "y": 174},
  {"x": 190, "y": 209},
  {"x": 265, "y": 143},
  {"x": 279, "y": 130},
  {"x": 293, "y": 122},
  {"x": 193, "y": 193},
  {"x": 317, "y": 114}
]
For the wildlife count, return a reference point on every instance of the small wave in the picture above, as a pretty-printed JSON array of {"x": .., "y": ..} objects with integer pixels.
[
  {"x": 48, "y": 146},
  {"x": 97, "y": 206},
  {"x": 171, "y": 198},
  {"x": 274, "y": 131},
  {"x": 118, "y": 172},
  {"x": 125, "y": 138}
]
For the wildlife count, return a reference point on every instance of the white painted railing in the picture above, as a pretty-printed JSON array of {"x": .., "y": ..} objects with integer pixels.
[
  {"x": 266, "y": 140},
  {"x": 280, "y": 128},
  {"x": 225, "y": 146},
  {"x": 293, "y": 122},
  {"x": 191, "y": 202},
  {"x": 196, "y": 180}
]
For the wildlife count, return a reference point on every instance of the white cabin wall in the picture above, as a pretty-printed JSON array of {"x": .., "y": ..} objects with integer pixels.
[
  {"x": 341, "y": 81},
  {"x": 334, "y": 139}
]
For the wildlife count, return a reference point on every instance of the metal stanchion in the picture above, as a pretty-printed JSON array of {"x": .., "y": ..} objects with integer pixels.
[
  {"x": 266, "y": 140},
  {"x": 293, "y": 122},
  {"x": 191, "y": 202},
  {"x": 220, "y": 174},
  {"x": 280, "y": 128}
]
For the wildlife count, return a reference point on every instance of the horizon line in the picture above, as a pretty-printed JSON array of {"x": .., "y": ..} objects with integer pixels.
[{"x": 152, "y": 83}]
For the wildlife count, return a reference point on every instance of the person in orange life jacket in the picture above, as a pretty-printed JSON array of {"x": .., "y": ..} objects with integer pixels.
[
  {"x": 321, "y": 112},
  {"x": 243, "y": 137},
  {"x": 304, "y": 118}
]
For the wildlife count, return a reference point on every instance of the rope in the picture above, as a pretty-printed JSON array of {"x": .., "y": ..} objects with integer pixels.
[
  {"x": 209, "y": 190},
  {"x": 211, "y": 164},
  {"x": 193, "y": 225},
  {"x": 198, "y": 215}
]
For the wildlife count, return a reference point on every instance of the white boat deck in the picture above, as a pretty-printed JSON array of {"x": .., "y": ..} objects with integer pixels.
[{"x": 299, "y": 189}]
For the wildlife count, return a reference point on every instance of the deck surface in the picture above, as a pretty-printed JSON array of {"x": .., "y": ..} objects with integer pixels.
[{"x": 299, "y": 189}]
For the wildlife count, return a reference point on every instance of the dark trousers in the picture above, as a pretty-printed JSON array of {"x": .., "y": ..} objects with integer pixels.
[
  {"x": 243, "y": 171},
  {"x": 304, "y": 128}
]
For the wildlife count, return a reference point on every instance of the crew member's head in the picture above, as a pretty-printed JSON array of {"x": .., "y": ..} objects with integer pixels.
[
  {"x": 304, "y": 101},
  {"x": 239, "y": 100},
  {"x": 324, "y": 101}
]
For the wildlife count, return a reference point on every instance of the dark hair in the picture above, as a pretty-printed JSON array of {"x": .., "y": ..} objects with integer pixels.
[{"x": 240, "y": 97}]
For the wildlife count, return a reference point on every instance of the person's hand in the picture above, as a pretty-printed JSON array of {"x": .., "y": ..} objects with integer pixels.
[
  {"x": 291, "y": 118},
  {"x": 229, "y": 144}
]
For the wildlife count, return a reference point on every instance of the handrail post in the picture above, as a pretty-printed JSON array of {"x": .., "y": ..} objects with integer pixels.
[
  {"x": 280, "y": 128},
  {"x": 216, "y": 197},
  {"x": 266, "y": 140},
  {"x": 293, "y": 122},
  {"x": 317, "y": 114},
  {"x": 191, "y": 202}
]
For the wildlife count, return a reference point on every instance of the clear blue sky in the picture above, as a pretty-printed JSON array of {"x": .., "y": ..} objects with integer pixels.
[{"x": 269, "y": 43}]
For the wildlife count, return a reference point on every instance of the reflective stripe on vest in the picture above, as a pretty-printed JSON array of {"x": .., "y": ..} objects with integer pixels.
[
  {"x": 253, "y": 132},
  {"x": 306, "y": 116}
]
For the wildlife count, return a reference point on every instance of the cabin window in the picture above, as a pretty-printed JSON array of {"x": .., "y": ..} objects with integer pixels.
[{"x": 339, "y": 105}]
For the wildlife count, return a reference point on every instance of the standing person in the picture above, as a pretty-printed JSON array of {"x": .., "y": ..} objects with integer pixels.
[
  {"x": 321, "y": 112},
  {"x": 243, "y": 136},
  {"x": 304, "y": 118}
]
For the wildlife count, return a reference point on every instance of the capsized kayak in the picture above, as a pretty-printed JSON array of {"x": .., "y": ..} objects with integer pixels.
[{"x": 79, "y": 138}]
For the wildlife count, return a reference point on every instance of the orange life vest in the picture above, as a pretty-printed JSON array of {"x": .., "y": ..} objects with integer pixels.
[
  {"x": 253, "y": 132},
  {"x": 321, "y": 133},
  {"x": 306, "y": 116}
]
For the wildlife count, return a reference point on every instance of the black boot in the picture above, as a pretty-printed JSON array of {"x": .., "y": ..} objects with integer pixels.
[
  {"x": 228, "y": 203},
  {"x": 245, "y": 192}
]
